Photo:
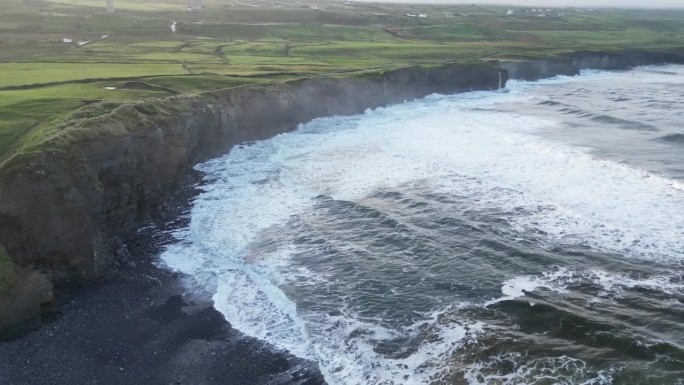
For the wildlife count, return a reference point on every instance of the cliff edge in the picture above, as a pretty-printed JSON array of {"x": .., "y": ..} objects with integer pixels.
[
  {"x": 68, "y": 203},
  {"x": 570, "y": 64}
]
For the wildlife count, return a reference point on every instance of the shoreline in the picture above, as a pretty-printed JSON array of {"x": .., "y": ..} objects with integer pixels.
[
  {"x": 142, "y": 325},
  {"x": 138, "y": 324}
]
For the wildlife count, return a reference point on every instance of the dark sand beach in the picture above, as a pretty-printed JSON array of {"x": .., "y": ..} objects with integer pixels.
[{"x": 140, "y": 327}]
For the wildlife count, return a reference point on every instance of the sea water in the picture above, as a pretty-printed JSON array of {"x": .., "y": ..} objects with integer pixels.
[{"x": 532, "y": 235}]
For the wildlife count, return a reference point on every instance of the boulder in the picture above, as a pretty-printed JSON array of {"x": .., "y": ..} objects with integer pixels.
[{"x": 25, "y": 294}]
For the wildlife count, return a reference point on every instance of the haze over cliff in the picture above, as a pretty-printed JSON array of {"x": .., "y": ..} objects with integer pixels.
[{"x": 556, "y": 3}]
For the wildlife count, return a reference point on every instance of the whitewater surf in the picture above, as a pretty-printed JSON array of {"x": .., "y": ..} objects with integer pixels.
[{"x": 526, "y": 236}]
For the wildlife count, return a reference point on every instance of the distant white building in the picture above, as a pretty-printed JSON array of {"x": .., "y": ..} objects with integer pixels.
[
  {"x": 450, "y": 15},
  {"x": 195, "y": 6},
  {"x": 67, "y": 40},
  {"x": 409, "y": 14},
  {"x": 422, "y": 15},
  {"x": 314, "y": 7},
  {"x": 510, "y": 12}
]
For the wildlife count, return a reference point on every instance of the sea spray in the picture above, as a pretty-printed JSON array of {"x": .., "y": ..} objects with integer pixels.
[{"x": 441, "y": 240}]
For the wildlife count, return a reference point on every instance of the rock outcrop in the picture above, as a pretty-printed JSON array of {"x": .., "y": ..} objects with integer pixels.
[
  {"x": 538, "y": 68},
  {"x": 24, "y": 295}
]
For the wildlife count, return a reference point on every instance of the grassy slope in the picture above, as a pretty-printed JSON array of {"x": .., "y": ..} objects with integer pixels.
[{"x": 224, "y": 46}]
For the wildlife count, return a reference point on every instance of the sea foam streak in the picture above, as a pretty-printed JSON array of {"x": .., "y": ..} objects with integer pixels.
[{"x": 458, "y": 145}]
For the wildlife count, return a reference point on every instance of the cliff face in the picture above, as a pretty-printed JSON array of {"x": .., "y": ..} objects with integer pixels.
[
  {"x": 66, "y": 204},
  {"x": 623, "y": 60},
  {"x": 24, "y": 295},
  {"x": 538, "y": 69},
  {"x": 571, "y": 64}
]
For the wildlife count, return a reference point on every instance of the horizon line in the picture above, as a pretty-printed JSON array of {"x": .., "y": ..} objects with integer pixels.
[{"x": 530, "y": 3}]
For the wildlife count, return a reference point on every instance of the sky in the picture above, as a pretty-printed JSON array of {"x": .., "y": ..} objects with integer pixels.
[{"x": 560, "y": 3}]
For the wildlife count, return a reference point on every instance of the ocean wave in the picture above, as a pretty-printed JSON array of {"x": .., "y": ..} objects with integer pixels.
[
  {"x": 677, "y": 138},
  {"x": 609, "y": 284},
  {"x": 312, "y": 240},
  {"x": 522, "y": 370},
  {"x": 624, "y": 123}
]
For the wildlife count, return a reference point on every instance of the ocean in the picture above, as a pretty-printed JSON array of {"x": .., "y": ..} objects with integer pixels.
[{"x": 532, "y": 235}]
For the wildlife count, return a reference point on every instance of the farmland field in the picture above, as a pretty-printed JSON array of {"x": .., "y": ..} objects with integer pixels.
[{"x": 57, "y": 56}]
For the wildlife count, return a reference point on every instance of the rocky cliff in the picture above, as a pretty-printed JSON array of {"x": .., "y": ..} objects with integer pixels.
[
  {"x": 67, "y": 204},
  {"x": 536, "y": 69},
  {"x": 24, "y": 295},
  {"x": 570, "y": 64}
]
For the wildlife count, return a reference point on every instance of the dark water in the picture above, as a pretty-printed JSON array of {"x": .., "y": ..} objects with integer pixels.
[{"x": 533, "y": 236}]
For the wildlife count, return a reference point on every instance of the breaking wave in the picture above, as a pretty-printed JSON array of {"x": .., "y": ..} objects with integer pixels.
[{"x": 444, "y": 240}]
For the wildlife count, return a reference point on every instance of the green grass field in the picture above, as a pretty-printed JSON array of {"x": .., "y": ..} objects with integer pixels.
[{"x": 230, "y": 43}]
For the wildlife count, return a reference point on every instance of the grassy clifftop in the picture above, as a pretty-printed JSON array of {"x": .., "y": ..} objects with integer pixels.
[
  {"x": 57, "y": 56},
  {"x": 109, "y": 119}
]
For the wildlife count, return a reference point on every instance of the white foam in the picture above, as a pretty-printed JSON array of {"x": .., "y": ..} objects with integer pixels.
[
  {"x": 495, "y": 159},
  {"x": 260, "y": 308},
  {"x": 612, "y": 284},
  {"x": 561, "y": 370},
  {"x": 518, "y": 286},
  {"x": 346, "y": 358}
]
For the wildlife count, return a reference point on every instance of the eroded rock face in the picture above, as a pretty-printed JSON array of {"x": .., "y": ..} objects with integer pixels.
[
  {"x": 538, "y": 69},
  {"x": 65, "y": 208},
  {"x": 67, "y": 205},
  {"x": 24, "y": 295},
  {"x": 571, "y": 64},
  {"x": 623, "y": 60},
  {"x": 22, "y": 305}
]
